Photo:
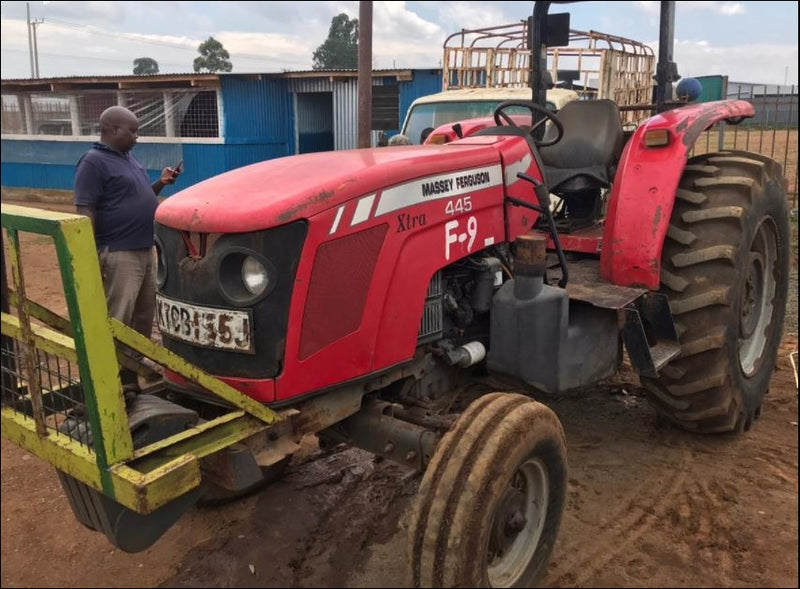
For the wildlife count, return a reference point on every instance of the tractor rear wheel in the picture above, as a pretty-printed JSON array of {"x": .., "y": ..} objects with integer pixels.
[
  {"x": 490, "y": 503},
  {"x": 725, "y": 268}
]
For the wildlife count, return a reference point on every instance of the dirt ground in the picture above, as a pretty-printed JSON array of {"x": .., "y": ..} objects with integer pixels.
[{"x": 648, "y": 506}]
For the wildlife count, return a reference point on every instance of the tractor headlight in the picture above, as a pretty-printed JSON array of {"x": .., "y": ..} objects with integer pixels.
[
  {"x": 254, "y": 276},
  {"x": 245, "y": 277}
]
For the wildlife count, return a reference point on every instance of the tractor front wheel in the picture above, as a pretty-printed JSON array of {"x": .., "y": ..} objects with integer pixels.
[
  {"x": 490, "y": 503},
  {"x": 725, "y": 268}
]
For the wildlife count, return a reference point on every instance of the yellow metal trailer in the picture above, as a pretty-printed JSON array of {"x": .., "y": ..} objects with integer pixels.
[{"x": 62, "y": 401}]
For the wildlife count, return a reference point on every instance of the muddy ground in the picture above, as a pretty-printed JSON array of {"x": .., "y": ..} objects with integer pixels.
[{"x": 648, "y": 506}]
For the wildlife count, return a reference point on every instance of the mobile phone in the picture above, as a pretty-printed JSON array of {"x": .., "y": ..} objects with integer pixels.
[{"x": 178, "y": 167}]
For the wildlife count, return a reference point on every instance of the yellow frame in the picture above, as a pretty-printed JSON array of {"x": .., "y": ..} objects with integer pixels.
[{"x": 143, "y": 479}]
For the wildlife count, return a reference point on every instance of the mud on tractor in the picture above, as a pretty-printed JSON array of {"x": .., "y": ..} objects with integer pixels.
[{"x": 351, "y": 294}]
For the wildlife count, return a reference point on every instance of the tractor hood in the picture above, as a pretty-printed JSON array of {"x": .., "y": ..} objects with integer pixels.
[{"x": 279, "y": 191}]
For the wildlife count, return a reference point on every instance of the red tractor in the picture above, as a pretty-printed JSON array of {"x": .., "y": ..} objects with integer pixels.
[{"x": 356, "y": 291}]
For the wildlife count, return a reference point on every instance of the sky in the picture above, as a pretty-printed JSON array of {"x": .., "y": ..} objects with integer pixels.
[{"x": 747, "y": 41}]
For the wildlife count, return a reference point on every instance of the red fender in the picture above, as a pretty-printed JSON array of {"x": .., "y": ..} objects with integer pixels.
[{"x": 644, "y": 191}]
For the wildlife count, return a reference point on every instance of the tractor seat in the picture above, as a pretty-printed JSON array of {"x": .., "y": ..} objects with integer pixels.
[{"x": 587, "y": 154}]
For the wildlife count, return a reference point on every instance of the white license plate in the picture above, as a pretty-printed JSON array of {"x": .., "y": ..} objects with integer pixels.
[{"x": 221, "y": 329}]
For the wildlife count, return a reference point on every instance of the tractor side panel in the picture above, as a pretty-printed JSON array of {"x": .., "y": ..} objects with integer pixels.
[
  {"x": 365, "y": 270},
  {"x": 644, "y": 190},
  {"x": 421, "y": 256}
]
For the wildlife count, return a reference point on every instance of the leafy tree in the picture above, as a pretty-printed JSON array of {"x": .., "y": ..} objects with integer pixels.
[
  {"x": 145, "y": 66},
  {"x": 340, "y": 49},
  {"x": 213, "y": 57}
]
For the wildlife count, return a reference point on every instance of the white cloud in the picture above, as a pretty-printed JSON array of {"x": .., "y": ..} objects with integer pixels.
[
  {"x": 108, "y": 13},
  {"x": 251, "y": 52},
  {"x": 724, "y": 8},
  {"x": 758, "y": 63},
  {"x": 402, "y": 38},
  {"x": 481, "y": 14},
  {"x": 648, "y": 7},
  {"x": 276, "y": 36}
]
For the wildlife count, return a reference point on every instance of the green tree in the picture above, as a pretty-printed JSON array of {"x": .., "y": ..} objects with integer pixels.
[
  {"x": 145, "y": 66},
  {"x": 340, "y": 49},
  {"x": 213, "y": 57}
]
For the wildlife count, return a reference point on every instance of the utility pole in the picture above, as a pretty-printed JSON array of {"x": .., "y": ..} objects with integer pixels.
[
  {"x": 34, "y": 24},
  {"x": 364, "y": 73},
  {"x": 30, "y": 41},
  {"x": 33, "y": 50}
]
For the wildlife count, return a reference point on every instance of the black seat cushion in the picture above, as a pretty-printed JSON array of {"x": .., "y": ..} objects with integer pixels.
[{"x": 590, "y": 148}]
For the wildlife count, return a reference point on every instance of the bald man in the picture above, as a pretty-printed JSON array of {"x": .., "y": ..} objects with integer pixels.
[{"x": 114, "y": 191}]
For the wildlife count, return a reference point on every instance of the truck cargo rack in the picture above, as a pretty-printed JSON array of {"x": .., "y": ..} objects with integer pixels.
[{"x": 596, "y": 65}]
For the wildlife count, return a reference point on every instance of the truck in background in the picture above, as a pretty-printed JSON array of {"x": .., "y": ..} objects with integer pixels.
[{"x": 486, "y": 66}]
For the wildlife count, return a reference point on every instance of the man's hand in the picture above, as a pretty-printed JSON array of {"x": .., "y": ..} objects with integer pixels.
[{"x": 169, "y": 175}]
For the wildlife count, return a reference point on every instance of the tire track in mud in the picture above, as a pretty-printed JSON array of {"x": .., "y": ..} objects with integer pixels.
[
  {"x": 350, "y": 488},
  {"x": 708, "y": 532},
  {"x": 623, "y": 527},
  {"x": 687, "y": 522},
  {"x": 309, "y": 529}
]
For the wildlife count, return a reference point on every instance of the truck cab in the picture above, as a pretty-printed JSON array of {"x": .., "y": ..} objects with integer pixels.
[{"x": 451, "y": 106}]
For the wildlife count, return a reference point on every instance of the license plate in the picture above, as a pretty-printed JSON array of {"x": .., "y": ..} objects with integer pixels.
[{"x": 209, "y": 327}]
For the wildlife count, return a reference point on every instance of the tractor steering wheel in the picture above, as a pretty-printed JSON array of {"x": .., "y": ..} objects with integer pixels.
[{"x": 501, "y": 117}]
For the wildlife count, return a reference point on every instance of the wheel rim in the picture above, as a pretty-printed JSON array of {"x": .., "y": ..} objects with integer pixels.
[
  {"x": 518, "y": 523},
  {"x": 757, "y": 299}
]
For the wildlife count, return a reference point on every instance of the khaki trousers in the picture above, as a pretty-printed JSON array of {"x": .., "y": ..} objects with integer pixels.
[{"x": 129, "y": 280}]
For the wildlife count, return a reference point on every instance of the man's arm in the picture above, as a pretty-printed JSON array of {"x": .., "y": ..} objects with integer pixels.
[
  {"x": 168, "y": 176},
  {"x": 87, "y": 211},
  {"x": 88, "y": 189}
]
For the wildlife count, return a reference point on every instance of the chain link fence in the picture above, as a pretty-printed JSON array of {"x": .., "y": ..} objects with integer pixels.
[
  {"x": 177, "y": 113},
  {"x": 771, "y": 132}
]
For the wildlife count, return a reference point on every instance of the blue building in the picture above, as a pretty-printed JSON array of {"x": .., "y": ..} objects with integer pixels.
[{"x": 213, "y": 122}]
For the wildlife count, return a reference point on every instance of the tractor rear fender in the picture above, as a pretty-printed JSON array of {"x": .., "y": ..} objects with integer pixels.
[{"x": 645, "y": 185}]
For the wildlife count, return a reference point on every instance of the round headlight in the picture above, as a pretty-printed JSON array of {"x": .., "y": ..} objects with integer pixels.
[
  {"x": 254, "y": 276},
  {"x": 245, "y": 277}
]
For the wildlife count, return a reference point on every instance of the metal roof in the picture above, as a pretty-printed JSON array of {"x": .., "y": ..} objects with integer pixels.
[{"x": 207, "y": 80}]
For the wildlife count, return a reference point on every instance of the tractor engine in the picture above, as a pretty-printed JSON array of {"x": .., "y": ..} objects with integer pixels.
[{"x": 456, "y": 319}]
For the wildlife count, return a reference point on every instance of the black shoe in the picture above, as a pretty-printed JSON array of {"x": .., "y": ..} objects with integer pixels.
[{"x": 130, "y": 397}]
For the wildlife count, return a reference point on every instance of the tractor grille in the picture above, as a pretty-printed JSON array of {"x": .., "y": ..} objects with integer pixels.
[
  {"x": 431, "y": 325},
  {"x": 195, "y": 281}
]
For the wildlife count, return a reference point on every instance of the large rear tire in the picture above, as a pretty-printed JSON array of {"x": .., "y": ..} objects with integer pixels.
[
  {"x": 490, "y": 503},
  {"x": 725, "y": 268}
]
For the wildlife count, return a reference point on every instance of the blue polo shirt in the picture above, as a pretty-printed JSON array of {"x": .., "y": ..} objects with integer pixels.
[{"x": 117, "y": 187}]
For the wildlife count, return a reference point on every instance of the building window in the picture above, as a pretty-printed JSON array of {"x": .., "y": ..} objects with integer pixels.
[
  {"x": 385, "y": 108},
  {"x": 179, "y": 113}
]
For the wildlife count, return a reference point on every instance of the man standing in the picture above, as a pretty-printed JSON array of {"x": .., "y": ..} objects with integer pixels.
[{"x": 113, "y": 190}]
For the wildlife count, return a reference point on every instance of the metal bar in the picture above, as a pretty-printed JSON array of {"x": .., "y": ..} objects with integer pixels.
[
  {"x": 52, "y": 342},
  {"x": 152, "y": 476},
  {"x": 666, "y": 70},
  {"x": 200, "y": 441},
  {"x": 141, "y": 492},
  {"x": 26, "y": 336},
  {"x": 97, "y": 361},
  {"x": 138, "y": 342},
  {"x": 43, "y": 314}
]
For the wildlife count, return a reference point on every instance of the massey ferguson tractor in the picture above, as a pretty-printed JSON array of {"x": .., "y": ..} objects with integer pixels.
[{"x": 351, "y": 295}]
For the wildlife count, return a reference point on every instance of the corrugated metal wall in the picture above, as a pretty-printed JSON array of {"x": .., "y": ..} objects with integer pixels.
[
  {"x": 257, "y": 114},
  {"x": 51, "y": 164},
  {"x": 345, "y": 106},
  {"x": 345, "y": 100}
]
